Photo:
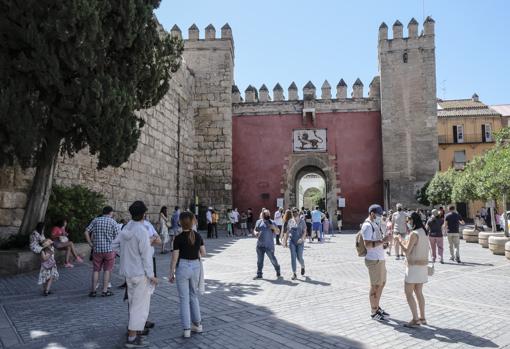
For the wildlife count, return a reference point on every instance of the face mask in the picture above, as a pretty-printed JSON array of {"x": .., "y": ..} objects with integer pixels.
[{"x": 410, "y": 226}]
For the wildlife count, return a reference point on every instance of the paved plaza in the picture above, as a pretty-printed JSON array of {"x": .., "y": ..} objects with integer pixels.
[{"x": 467, "y": 304}]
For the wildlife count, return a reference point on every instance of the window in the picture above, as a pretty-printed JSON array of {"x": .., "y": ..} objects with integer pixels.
[
  {"x": 458, "y": 134},
  {"x": 486, "y": 133},
  {"x": 404, "y": 57},
  {"x": 459, "y": 159}
]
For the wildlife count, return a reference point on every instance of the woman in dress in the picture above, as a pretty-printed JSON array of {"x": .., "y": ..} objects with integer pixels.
[
  {"x": 416, "y": 250},
  {"x": 185, "y": 270},
  {"x": 163, "y": 228},
  {"x": 61, "y": 241}
]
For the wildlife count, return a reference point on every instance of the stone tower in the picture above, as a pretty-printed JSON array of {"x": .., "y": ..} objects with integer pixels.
[
  {"x": 211, "y": 61},
  {"x": 407, "y": 68}
]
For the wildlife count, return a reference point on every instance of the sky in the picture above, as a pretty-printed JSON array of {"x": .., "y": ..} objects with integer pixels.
[{"x": 284, "y": 41}]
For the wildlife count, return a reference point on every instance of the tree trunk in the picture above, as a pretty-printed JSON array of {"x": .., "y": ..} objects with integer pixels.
[
  {"x": 493, "y": 217},
  {"x": 505, "y": 219},
  {"x": 39, "y": 196}
]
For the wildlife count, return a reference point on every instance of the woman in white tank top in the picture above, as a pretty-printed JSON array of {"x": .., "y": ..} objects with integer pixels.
[{"x": 417, "y": 253}]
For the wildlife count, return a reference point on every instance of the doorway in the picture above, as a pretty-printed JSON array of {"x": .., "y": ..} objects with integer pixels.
[{"x": 311, "y": 188}]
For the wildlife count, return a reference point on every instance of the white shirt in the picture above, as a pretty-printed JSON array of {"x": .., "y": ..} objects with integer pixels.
[
  {"x": 278, "y": 218},
  {"x": 372, "y": 232},
  {"x": 236, "y": 216},
  {"x": 208, "y": 216},
  {"x": 399, "y": 220}
]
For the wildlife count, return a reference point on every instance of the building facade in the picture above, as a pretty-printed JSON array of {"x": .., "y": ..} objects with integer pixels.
[
  {"x": 205, "y": 144},
  {"x": 465, "y": 129}
]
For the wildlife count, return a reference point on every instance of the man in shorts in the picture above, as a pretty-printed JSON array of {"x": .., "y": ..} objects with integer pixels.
[
  {"x": 316, "y": 223},
  {"x": 100, "y": 234},
  {"x": 399, "y": 220},
  {"x": 374, "y": 259}
]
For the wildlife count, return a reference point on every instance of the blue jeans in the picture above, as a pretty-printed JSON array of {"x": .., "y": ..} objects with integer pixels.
[
  {"x": 260, "y": 259},
  {"x": 296, "y": 251},
  {"x": 187, "y": 276}
]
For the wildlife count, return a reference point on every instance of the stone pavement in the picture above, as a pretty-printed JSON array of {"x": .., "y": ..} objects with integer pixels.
[{"x": 467, "y": 304}]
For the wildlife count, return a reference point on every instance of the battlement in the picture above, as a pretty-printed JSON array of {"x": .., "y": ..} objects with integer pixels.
[
  {"x": 210, "y": 33},
  {"x": 309, "y": 92},
  {"x": 412, "y": 40}
]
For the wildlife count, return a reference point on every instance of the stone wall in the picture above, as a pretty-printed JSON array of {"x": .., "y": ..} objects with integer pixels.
[
  {"x": 212, "y": 61},
  {"x": 409, "y": 110},
  {"x": 159, "y": 172}
]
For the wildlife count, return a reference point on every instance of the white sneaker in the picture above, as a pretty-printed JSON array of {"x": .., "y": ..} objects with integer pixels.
[
  {"x": 196, "y": 328},
  {"x": 187, "y": 334}
]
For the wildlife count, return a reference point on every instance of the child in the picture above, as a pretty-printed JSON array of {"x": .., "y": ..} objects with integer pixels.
[{"x": 48, "y": 272}]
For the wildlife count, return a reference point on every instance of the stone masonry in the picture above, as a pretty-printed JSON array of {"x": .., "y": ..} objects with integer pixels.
[{"x": 409, "y": 110}]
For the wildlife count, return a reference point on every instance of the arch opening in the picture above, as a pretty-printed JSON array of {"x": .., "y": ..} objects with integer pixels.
[{"x": 311, "y": 188}]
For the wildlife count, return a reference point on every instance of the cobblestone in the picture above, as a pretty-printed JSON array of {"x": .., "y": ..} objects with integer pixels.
[{"x": 467, "y": 304}]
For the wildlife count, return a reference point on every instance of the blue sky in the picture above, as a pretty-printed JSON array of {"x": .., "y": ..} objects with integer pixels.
[{"x": 284, "y": 41}]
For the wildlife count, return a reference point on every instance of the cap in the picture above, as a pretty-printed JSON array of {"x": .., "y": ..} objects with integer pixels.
[
  {"x": 377, "y": 209},
  {"x": 137, "y": 208},
  {"x": 399, "y": 206}
]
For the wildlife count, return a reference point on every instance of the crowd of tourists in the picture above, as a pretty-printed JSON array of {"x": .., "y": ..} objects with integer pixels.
[{"x": 412, "y": 235}]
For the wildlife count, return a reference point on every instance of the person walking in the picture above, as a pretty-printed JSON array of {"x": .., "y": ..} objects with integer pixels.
[
  {"x": 48, "y": 272},
  {"x": 163, "y": 228},
  {"x": 389, "y": 231},
  {"x": 452, "y": 220},
  {"x": 185, "y": 269},
  {"x": 399, "y": 220},
  {"x": 215, "y": 219},
  {"x": 339, "y": 220},
  {"x": 278, "y": 220},
  {"x": 416, "y": 249},
  {"x": 295, "y": 235},
  {"x": 374, "y": 259},
  {"x": 100, "y": 234},
  {"x": 264, "y": 231},
  {"x": 326, "y": 225},
  {"x": 136, "y": 266},
  {"x": 434, "y": 227}
]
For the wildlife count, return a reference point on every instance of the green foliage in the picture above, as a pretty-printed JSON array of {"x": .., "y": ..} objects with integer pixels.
[
  {"x": 78, "y": 205},
  {"x": 440, "y": 188},
  {"x": 467, "y": 182},
  {"x": 74, "y": 72},
  {"x": 421, "y": 195}
]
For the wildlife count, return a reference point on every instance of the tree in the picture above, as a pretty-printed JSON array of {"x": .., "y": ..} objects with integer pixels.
[
  {"x": 72, "y": 75},
  {"x": 421, "y": 195},
  {"x": 440, "y": 188}
]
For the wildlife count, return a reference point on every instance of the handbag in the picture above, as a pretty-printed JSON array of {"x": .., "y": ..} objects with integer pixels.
[
  {"x": 430, "y": 269},
  {"x": 63, "y": 239}
]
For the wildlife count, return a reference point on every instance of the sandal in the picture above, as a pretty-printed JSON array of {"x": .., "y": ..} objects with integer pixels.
[
  {"x": 93, "y": 294},
  {"x": 423, "y": 321},
  {"x": 107, "y": 294},
  {"x": 412, "y": 324}
]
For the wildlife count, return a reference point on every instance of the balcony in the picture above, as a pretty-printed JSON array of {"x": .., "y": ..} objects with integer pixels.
[{"x": 468, "y": 139}]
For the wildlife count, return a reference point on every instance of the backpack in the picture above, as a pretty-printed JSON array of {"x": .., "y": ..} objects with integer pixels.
[{"x": 360, "y": 242}]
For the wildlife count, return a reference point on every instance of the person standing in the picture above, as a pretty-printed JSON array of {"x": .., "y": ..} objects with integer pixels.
[
  {"x": 295, "y": 234},
  {"x": 174, "y": 226},
  {"x": 326, "y": 225},
  {"x": 452, "y": 220},
  {"x": 100, "y": 234},
  {"x": 215, "y": 219},
  {"x": 389, "y": 231},
  {"x": 249, "y": 220},
  {"x": 374, "y": 259},
  {"x": 339, "y": 220},
  {"x": 316, "y": 223},
  {"x": 417, "y": 252},
  {"x": 185, "y": 270},
  {"x": 399, "y": 220},
  {"x": 163, "y": 228},
  {"x": 278, "y": 220},
  {"x": 264, "y": 231},
  {"x": 435, "y": 228},
  {"x": 208, "y": 217},
  {"x": 230, "y": 223},
  {"x": 136, "y": 266}
]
